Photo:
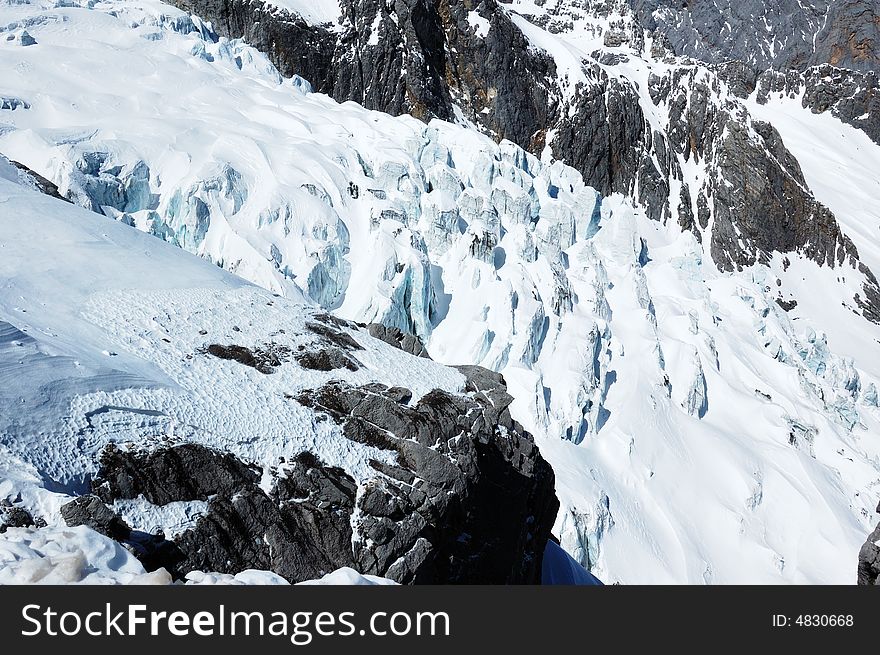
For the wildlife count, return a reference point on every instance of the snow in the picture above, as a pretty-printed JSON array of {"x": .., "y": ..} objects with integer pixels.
[
  {"x": 347, "y": 576},
  {"x": 172, "y": 519},
  {"x": 840, "y": 164},
  {"x": 69, "y": 555},
  {"x": 316, "y": 12},
  {"x": 148, "y": 304},
  {"x": 53, "y": 556},
  {"x": 247, "y": 577},
  {"x": 699, "y": 433},
  {"x": 559, "y": 568},
  {"x": 480, "y": 25}
]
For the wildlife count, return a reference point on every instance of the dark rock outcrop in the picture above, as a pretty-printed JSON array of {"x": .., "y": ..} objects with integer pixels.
[
  {"x": 784, "y": 34},
  {"x": 265, "y": 359},
  {"x": 12, "y": 516},
  {"x": 469, "y": 499},
  {"x": 869, "y": 558},
  {"x": 41, "y": 183},
  {"x": 154, "y": 551},
  {"x": 851, "y": 96},
  {"x": 93, "y": 513},
  {"x": 326, "y": 359},
  {"x": 396, "y": 337},
  {"x": 183, "y": 472},
  {"x": 426, "y": 59},
  {"x": 464, "y": 496},
  {"x": 332, "y": 347}
]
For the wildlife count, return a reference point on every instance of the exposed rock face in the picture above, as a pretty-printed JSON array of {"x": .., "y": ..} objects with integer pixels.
[
  {"x": 850, "y": 37},
  {"x": 37, "y": 181},
  {"x": 782, "y": 34},
  {"x": 757, "y": 195},
  {"x": 851, "y": 96},
  {"x": 265, "y": 359},
  {"x": 467, "y": 499},
  {"x": 423, "y": 58},
  {"x": 869, "y": 559},
  {"x": 472, "y": 58},
  {"x": 185, "y": 472},
  {"x": 396, "y": 337},
  {"x": 93, "y": 513},
  {"x": 14, "y": 517}
]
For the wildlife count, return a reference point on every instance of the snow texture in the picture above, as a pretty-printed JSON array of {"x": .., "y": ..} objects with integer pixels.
[{"x": 699, "y": 432}]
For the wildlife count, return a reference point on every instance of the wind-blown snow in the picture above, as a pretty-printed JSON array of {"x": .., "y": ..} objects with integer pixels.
[
  {"x": 62, "y": 555},
  {"x": 699, "y": 433},
  {"x": 101, "y": 331}
]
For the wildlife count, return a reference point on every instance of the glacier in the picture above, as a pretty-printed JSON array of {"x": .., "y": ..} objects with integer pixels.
[{"x": 700, "y": 433}]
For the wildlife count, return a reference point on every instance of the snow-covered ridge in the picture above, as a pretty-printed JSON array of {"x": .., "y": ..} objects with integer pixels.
[
  {"x": 101, "y": 345},
  {"x": 62, "y": 555},
  {"x": 631, "y": 357}
]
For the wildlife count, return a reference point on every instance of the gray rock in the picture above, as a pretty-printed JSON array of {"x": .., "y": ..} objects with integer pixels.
[
  {"x": 396, "y": 337},
  {"x": 38, "y": 181},
  {"x": 264, "y": 358},
  {"x": 851, "y": 96},
  {"x": 25, "y": 39},
  {"x": 14, "y": 517},
  {"x": 178, "y": 473},
  {"x": 93, "y": 513},
  {"x": 326, "y": 359},
  {"x": 783, "y": 34},
  {"x": 468, "y": 499},
  {"x": 869, "y": 559}
]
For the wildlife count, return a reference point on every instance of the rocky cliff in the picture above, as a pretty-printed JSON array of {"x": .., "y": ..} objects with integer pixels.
[
  {"x": 781, "y": 35},
  {"x": 869, "y": 559},
  {"x": 468, "y": 499}
]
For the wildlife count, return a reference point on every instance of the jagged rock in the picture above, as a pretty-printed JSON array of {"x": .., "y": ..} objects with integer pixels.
[
  {"x": 326, "y": 359},
  {"x": 741, "y": 79},
  {"x": 869, "y": 558},
  {"x": 93, "y": 513},
  {"x": 851, "y": 96},
  {"x": 154, "y": 551},
  {"x": 333, "y": 336},
  {"x": 783, "y": 34},
  {"x": 614, "y": 39},
  {"x": 265, "y": 359},
  {"x": 22, "y": 38},
  {"x": 449, "y": 493},
  {"x": 396, "y": 337},
  {"x": 427, "y": 60},
  {"x": 467, "y": 499},
  {"x": 333, "y": 347},
  {"x": 179, "y": 473},
  {"x": 14, "y": 517},
  {"x": 38, "y": 181},
  {"x": 760, "y": 202}
]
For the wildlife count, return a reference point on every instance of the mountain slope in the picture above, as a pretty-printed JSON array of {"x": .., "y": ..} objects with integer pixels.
[
  {"x": 662, "y": 321},
  {"x": 210, "y": 415}
]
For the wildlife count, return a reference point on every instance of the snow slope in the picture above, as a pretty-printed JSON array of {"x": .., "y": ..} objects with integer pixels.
[
  {"x": 699, "y": 433},
  {"x": 101, "y": 331}
]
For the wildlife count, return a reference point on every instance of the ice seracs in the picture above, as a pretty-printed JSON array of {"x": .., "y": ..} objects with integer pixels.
[{"x": 660, "y": 387}]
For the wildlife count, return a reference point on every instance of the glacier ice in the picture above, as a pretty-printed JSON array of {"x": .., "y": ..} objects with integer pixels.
[{"x": 613, "y": 331}]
